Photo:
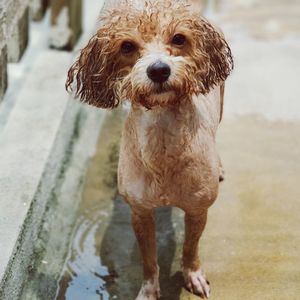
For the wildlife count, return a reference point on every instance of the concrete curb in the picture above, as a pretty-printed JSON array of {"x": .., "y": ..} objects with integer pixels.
[
  {"x": 33, "y": 148},
  {"x": 61, "y": 212}
]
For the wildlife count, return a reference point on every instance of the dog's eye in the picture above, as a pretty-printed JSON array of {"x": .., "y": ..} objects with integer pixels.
[
  {"x": 128, "y": 47},
  {"x": 179, "y": 39}
]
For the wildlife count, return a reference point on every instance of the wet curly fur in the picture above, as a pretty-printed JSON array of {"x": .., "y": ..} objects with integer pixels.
[
  {"x": 103, "y": 75},
  {"x": 168, "y": 154}
]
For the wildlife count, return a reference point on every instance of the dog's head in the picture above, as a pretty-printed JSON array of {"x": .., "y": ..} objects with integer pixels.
[{"x": 154, "y": 55}]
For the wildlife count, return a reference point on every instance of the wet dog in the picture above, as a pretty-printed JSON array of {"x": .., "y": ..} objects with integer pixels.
[{"x": 171, "y": 64}]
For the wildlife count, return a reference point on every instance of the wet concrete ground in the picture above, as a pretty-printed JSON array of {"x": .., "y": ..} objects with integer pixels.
[{"x": 250, "y": 248}]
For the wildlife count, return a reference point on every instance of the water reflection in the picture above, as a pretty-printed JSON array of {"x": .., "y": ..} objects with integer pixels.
[
  {"x": 119, "y": 251},
  {"x": 84, "y": 275},
  {"x": 108, "y": 265}
]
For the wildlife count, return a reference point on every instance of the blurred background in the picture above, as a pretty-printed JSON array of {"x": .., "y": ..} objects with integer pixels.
[{"x": 66, "y": 234}]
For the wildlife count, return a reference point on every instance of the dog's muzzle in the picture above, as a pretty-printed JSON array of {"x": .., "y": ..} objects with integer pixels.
[{"x": 159, "y": 72}]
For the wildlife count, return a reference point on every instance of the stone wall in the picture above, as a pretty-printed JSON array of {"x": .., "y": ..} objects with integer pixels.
[
  {"x": 3, "y": 52},
  {"x": 38, "y": 9},
  {"x": 13, "y": 35},
  {"x": 66, "y": 22}
]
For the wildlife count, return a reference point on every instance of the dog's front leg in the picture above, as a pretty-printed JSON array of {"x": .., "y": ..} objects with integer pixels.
[
  {"x": 144, "y": 228},
  {"x": 194, "y": 278}
]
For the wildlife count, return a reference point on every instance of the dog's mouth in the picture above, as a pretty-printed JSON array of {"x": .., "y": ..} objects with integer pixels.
[{"x": 161, "y": 89}]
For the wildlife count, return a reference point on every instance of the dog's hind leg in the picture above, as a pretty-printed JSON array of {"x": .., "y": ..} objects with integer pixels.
[
  {"x": 144, "y": 228},
  {"x": 195, "y": 280}
]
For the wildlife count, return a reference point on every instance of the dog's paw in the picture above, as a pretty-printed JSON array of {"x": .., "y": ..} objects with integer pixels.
[
  {"x": 150, "y": 290},
  {"x": 196, "y": 283}
]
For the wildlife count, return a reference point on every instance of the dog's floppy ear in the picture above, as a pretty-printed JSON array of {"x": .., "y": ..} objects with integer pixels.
[
  {"x": 94, "y": 73},
  {"x": 213, "y": 55}
]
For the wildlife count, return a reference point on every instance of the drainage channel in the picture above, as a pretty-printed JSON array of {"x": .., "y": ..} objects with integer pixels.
[
  {"x": 66, "y": 215},
  {"x": 87, "y": 272}
]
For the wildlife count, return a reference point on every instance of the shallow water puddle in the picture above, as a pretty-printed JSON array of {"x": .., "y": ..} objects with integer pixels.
[{"x": 85, "y": 274}]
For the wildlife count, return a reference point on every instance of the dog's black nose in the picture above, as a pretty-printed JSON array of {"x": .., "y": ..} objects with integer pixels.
[{"x": 159, "y": 72}]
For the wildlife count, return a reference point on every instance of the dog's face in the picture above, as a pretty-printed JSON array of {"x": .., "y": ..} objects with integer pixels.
[{"x": 154, "y": 56}]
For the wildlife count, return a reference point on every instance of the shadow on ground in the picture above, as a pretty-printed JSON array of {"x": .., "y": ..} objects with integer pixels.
[{"x": 119, "y": 251}]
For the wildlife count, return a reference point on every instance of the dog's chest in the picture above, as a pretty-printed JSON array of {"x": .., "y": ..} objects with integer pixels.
[
  {"x": 165, "y": 156},
  {"x": 163, "y": 139}
]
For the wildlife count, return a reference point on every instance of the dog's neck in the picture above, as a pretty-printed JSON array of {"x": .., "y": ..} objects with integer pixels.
[
  {"x": 169, "y": 132},
  {"x": 190, "y": 113}
]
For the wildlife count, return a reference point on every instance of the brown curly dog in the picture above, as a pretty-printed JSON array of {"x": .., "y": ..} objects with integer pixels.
[{"x": 171, "y": 64}]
